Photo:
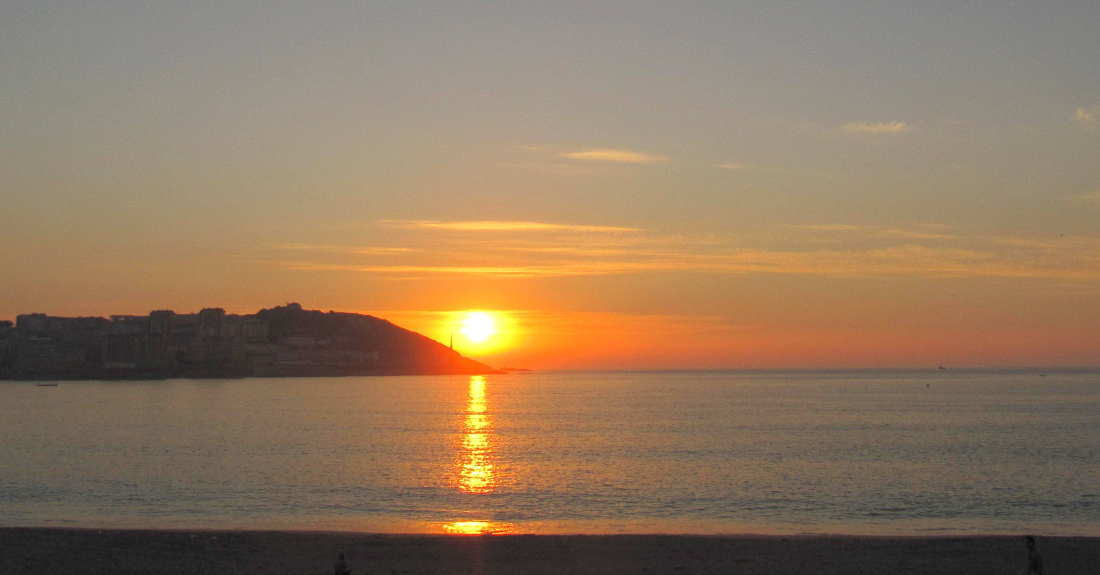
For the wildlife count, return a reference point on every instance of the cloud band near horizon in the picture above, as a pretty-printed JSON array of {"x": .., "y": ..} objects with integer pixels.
[
  {"x": 504, "y": 226},
  {"x": 517, "y": 255},
  {"x": 877, "y": 128},
  {"x": 616, "y": 156}
]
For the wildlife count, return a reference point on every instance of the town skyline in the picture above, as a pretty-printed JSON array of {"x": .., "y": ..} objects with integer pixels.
[{"x": 283, "y": 341}]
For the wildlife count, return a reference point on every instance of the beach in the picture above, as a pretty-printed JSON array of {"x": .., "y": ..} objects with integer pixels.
[{"x": 92, "y": 551}]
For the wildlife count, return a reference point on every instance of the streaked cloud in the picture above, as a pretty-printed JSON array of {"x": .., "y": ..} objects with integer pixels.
[
  {"x": 1087, "y": 118},
  {"x": 877, "y": 128},
  {"x": 898, "y": 232},
  {"x": 739, "y": 167},
  {"x": 829, "y": 227},
  {"x": 917, "y": 234},
  {"x": 873, "y": 252},
  {"x": 904, "y": 260},
  {"x": 361, "y": 250},
  {"x": 618, "y": 156},
  {"x": 517, "y": 271},
  {"x": 1090, "y": 198},
  {"x": 504, "y": 226}
]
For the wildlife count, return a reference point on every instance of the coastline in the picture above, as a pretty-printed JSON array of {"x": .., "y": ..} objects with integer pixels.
[
  {"x": 75, "y": 551},
  {"x": 286, "y": 373}
]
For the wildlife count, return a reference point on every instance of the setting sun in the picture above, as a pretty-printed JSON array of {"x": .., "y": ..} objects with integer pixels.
[{"x": 478, "y": 326}]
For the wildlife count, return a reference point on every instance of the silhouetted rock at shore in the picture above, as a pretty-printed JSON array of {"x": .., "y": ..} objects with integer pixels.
[{"x": 285, "y": 341}]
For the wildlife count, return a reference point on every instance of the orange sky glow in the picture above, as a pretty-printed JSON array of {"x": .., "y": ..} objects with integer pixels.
[{"x": 730, "y": 185}]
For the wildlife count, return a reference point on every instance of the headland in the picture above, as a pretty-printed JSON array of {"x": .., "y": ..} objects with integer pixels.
[{"x": 284, "y": 341}]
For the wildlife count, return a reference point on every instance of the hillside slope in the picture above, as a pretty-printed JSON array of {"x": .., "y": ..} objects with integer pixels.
[{"x": 285, "y": 341}]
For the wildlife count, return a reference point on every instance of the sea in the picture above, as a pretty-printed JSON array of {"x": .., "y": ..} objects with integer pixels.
[{"x": 932, "y": 452}]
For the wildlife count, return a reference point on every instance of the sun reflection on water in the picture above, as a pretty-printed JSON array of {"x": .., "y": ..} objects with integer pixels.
[
  {"x": 475, "y": 474},
  {"x": 478, "y": 528}
]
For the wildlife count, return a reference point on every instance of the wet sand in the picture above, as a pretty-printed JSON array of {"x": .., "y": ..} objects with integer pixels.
[{"x": 117, "y": 552}]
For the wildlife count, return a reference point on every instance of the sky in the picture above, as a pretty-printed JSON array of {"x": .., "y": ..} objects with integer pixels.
[{"x": 638, "y": 185}]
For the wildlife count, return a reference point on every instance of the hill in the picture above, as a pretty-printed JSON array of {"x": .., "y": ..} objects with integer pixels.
[{"x": 285, "y": 341}]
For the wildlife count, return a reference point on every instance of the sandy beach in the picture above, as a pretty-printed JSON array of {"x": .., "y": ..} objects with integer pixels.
[{"x": 89, "y": 551}]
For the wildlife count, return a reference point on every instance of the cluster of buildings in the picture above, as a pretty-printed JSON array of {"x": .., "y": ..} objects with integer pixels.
[{"x": 280, "y": 341}]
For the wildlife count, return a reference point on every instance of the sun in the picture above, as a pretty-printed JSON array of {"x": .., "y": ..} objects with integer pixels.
[{"x": 478, "y": 326}]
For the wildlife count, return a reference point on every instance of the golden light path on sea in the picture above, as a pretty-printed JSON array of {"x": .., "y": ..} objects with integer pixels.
[{"x": 475, "y": 474}]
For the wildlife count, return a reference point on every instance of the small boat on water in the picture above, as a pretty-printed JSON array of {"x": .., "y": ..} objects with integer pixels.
[{"x": 45, "y": 385}]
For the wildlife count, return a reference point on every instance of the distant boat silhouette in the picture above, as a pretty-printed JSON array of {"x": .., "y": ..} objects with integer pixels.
[
  {"x": 45, "y": 385},
  {"x": 942, "y": 367}
]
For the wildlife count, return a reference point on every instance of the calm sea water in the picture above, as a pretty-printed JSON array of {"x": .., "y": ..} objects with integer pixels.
[{"x": 695, "y": 452}]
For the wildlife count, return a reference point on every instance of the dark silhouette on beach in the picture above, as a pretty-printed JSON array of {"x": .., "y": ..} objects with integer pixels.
[
  {"x": 341, "y": 567},
  {"x": 1034, "y": 558}
]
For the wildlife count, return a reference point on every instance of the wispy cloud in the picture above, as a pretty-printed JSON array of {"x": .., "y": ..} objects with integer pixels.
[
  {"x": 1090, "y": 198},
  {"x": 360, "y": 250},
  {"x": 917, "y": 234},
  {"x": 1086, "y": 118},
  {"x": 541, "y": 250},
  {"x": 516, "y": 271},
  {"x": 504, "y": 226},
  {"x": 878, "y": 128},
  {"x": 879, "y": 230},
  {"x": 759, "y": 168},
  {"x": 829, "y": 227},
  {"x": 904, "y": 260},
  {"x": 619, "y": 156}
]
